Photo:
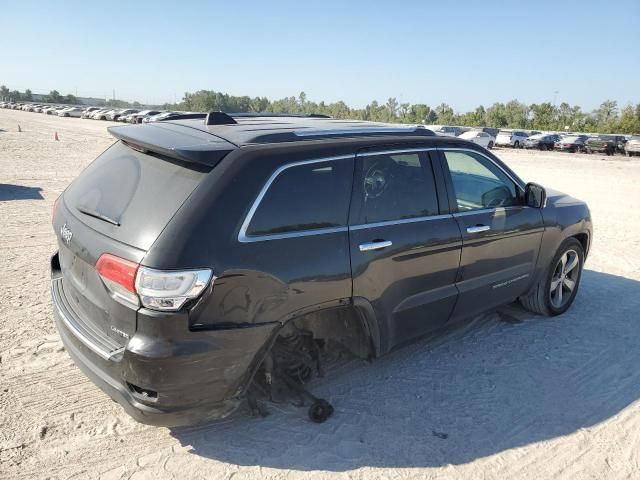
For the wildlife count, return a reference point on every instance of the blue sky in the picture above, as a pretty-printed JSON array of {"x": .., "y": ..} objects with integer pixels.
[{"x": 464, "y": 53}]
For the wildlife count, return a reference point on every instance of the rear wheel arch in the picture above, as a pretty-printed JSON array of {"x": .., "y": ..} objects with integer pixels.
[{"x": 348, "y": 325}]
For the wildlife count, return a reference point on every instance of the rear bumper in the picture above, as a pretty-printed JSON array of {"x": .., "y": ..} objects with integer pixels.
[{"x": 167, "y": 375}]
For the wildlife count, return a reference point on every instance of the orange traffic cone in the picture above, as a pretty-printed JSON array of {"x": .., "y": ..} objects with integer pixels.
[
  {"x": 19, "y": 129},
  {"x": 55, "y": 137}
]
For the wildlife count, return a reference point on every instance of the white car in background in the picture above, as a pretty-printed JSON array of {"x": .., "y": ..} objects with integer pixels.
[
  {"x": 632, "y": 147},
  {"x": 140, "y": 116},
  {"x": 95, "y": 113},
  {"x": 88, "y": 111},
  {"x": 481, "y": 138},
  {"x": 71, "y": 112},
  {"x": 511, "y": 138},
  {"x": 102, "y": 114},
  {"x": 116, "y": 114}
]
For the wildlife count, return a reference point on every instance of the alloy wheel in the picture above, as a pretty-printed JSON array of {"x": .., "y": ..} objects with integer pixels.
[{"x": 564, "y": 279}]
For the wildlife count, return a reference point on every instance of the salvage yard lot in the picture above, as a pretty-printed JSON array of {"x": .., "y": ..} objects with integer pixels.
[{"x": 511, "y": 395}]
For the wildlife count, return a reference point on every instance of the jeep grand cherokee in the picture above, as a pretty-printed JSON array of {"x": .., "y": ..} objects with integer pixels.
[{"x": 202, "y": 257}]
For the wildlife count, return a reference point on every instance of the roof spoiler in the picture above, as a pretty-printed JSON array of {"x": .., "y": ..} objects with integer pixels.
[{"x": 174, "y": 141}]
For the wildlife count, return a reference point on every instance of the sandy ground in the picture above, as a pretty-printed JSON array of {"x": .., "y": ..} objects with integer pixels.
[{"x": 532, "y": 399}]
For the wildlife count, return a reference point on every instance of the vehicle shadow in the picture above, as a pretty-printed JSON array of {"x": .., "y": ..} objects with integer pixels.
[
  {"x": 19, "y": 192},
  {"x": 489, "y": 387}
]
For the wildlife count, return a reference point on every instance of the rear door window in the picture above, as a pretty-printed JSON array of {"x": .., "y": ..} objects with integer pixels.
[
  {"x": 392, "y": 187},
  {"x": 305, "y": 198}
]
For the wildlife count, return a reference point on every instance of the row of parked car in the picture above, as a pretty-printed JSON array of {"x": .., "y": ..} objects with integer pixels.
[
  {"x": 564, "y": 142},
  {"x": 128, "y": 115},
  {"x": 60, "y": 110},
  {"x": 571, "y": 142},
  {"x": 485, "y": 136}
]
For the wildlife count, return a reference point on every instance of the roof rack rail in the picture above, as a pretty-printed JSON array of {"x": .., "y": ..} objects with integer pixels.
[
  {"x": 273, "y": 114},
  {"x": 184, "y": 116},
  {"x": 363, "y": 130}
]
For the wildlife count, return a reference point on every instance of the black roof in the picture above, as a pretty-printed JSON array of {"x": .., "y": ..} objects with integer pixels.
[
  {"x": 278, "y": 128},
  {"x": 194, "y": 141}
]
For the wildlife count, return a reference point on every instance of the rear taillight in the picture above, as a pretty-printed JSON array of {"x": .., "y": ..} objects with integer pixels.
[
  {"x": 169, "y": 290},
  {"x": 119, "y": 275},
  {"x": 133, "y": 284}
]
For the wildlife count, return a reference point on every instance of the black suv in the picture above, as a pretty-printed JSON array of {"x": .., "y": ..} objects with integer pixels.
[
  {"x": 608, "y": 144},
  {"x": 203, "y": 260}
]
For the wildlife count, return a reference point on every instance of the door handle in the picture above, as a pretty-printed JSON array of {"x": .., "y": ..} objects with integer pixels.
[
  {"x": 478, "y": 229},
  {"x": 377, "y": 245}
]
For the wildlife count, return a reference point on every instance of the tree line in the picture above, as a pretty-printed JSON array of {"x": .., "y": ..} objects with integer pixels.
[
  {"x": 607, "y": 118},
  {"x": 27, "y": 96}
]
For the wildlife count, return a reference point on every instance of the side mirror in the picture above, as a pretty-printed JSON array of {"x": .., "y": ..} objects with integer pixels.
[{"x": 535, "y": 195}]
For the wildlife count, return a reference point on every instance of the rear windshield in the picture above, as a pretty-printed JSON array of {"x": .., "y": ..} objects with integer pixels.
[{"x": 138, "y": 192}]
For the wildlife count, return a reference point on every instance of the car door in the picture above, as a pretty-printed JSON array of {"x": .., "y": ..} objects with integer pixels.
[
  {"x": 500, "y": 235},
  {"x": 405, "y": 244}
]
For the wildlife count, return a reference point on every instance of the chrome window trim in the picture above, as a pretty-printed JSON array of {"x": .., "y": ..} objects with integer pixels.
[
  {"x": 489, "y": 210},
  {"x": 426, "y": 218},
  {"x": 301, "y": 233},
  {"x": 242, "y": 235}
]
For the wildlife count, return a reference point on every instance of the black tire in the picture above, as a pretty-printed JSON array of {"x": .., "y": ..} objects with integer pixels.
[
  {"x": 490, "y": 146},
  {"x": 516, "y": 144},
  {"x": 538, "y": 299}
]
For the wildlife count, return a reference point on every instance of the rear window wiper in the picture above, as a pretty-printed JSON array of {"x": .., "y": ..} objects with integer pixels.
[{"x": 97, "y": 215}]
